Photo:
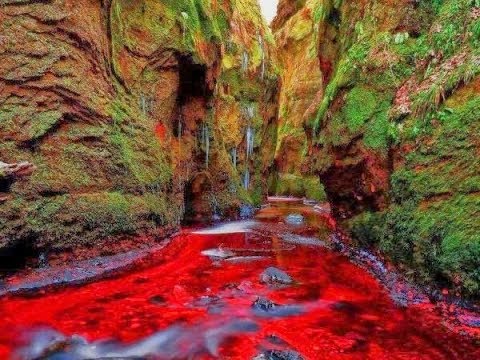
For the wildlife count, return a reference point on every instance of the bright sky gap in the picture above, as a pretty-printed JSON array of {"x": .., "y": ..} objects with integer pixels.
[{"x": 269, "y": 9}]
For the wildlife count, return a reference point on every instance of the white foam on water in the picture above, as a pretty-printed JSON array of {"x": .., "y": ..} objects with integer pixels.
[
  {"x": 242, "y": 259},
  {"x": 235, "y": 227},
  {"x": 283, "y": 199},
  {"x": 302, "y": 240}
]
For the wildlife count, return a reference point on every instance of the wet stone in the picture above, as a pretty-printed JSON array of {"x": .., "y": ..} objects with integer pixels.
[
  {"x": 279, "y": 355},
  {"x": 274, "y": 275},
  {"x": 266, "y": 308},
  {"x": 247, "y": 212},
  {"x": 265, "y": 305},
  {"x": 275, "y": 340},
  {"x": 158, "y": 300},
  {"x": 295, "y": 219}
]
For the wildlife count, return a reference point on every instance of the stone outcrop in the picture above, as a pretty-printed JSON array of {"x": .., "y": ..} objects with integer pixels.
[
  {"x": 302, "y": 84},
  {"x": 131, "y": 111},
  {"x": 10, "y": 173},
  {"x": 139, "y": 114},
  {"x": 380, "y": 100},
  {"x": 14, "y": 171}
]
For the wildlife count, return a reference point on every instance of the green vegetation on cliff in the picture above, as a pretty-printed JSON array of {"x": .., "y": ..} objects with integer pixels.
[
  {"x": 109, "y": 101},
  {"x": 394, "y": 131}
]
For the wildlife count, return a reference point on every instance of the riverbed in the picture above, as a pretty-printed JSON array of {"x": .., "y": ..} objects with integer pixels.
[{"x": 273, "y": 287}]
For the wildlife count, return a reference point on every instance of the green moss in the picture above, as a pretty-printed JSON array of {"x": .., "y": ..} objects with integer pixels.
[
  {"x": 42, "y": 123},
  {"x": 379, "y": 131},
  {"x": 437, "y": 243},
  {"x": 431, "y": 226},
  {"x": 141, "y": 152},
  {"x": 451, "y": 145},
  {"x": 360, "y": 105},
  {"x": 314, "y": 189},
  {"x": 299, "y": 186},
  {"x": 451, "y": 17},
  {"x": 72, "y": 221},
  {"x": 344, "y": 74},
  {"x": 109, "y": 212},
  {"x": 68, "y": 171}
]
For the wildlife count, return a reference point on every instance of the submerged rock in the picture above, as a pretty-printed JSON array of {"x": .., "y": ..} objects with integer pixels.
[
  {"x": 266, "y": 308},
  {"x": 279, "y": 355},
  {"x": 158, "y": 300},
  {"x": 218, "y": 254},
  {"x": 175, "y": 342},
  {"x": 295, "y": 219},
  {"x": 247, "y": 212},
  {"x": 265, "y": 305},
  {"x": 274, "y": 275}
]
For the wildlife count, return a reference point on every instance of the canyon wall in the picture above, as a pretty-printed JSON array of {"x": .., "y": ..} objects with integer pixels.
[
  {"x": 381, "y": 100},
  {"x": 126, "y": 117},
  {"x": 134, "y": 114}
]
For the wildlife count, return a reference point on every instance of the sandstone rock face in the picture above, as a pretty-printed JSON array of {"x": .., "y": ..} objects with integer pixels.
[
  {"x": 388, "y": 118},
  {"x": 14, "y": 171},
  {"x": 11, "y": 172},
  {"x": 302, "y": 85},
  {"x": 131, "y": 111}
]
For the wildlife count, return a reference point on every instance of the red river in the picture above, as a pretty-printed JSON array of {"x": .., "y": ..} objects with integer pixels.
[{"x": 204, "y": 297}]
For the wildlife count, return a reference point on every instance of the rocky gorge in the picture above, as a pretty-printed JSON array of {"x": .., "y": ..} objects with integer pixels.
[{"x": 124, "y": 118}]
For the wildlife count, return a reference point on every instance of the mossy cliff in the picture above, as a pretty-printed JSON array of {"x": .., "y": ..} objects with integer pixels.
[
  {"x": 138, "y": 114},
  {"x": 131, "y": 111},
  {"x": 380, "y": 99}
]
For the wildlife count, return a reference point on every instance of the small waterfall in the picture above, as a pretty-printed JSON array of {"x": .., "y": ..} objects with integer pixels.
[
  {"x": 262, "y": 47},
  {"x": 246, "y": 179},
  {"x": 146, "y": 104},
  {"x": 215, "y": 209},
  {"x": 250, "y": 141},
  {"x": 143, "y": 104},
  {"x": 233, "y": 153},
  {"x": 205, "y": 141},
  {"x": 207, "y": 151},
  {"x": 248, "y": 111},
  {"x": 184, "y": 24},
  {"x": 151, "y": 105},
  {"x": 245, "y": 61},
  {"x": 180, "y": 126}
]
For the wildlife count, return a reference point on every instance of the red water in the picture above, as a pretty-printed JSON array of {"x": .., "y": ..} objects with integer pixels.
[{"x": 348, "y": 314}]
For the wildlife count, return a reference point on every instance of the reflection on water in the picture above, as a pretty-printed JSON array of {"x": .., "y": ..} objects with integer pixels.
[{"x": 259, "y": 289}]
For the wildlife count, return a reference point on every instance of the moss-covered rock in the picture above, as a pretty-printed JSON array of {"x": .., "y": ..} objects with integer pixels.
[
  {"x": 393, "y": 132},
  {"x": 309, "y": 187},
  {"x": 109, "y": 99}
]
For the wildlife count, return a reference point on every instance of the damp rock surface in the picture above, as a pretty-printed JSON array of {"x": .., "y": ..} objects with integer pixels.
[
  {"x": 181, "y": 304},
  {"x": 295, "y": 219},
  {"x": 273, "y": 275},
  {"x": 279, "y": 355}
]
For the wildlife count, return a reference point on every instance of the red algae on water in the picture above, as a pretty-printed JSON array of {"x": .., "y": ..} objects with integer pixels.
[{"x": 209, "y": 284}]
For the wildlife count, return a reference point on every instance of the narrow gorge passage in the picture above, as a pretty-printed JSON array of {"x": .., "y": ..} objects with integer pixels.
[
  {"x": 258, "y": 289},
  {"x": 239, "y": 179}
]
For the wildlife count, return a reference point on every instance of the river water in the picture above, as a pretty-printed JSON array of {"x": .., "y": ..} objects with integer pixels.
[{"x": 266, "y": 289}]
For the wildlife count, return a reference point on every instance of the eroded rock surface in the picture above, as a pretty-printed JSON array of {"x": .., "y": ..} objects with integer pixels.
[
  {"x": 273, "y": 275},
  {"x": 131, "y": 112},
  {"x": 387, "y": 118}
]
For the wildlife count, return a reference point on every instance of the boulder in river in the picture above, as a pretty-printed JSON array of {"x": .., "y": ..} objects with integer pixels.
[
  {"x": 266, "y": 308},
  {"x": 273, "y": 275},
  {"x": 279, "y": 355},
  {"x": 295, "y": 219},
  {"x": 218, "y": 254}
]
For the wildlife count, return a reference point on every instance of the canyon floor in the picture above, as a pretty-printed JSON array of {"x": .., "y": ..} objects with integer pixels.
[{"x": 283, "y": 285}]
